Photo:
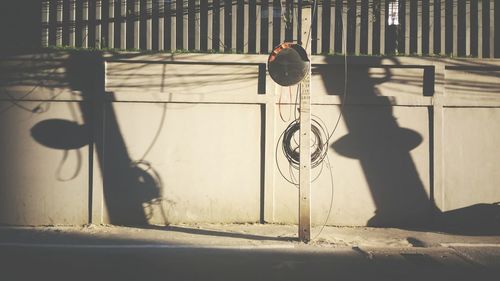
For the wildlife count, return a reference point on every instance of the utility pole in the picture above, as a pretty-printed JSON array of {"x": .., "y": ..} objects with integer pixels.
[{"x": 305, "y": 136}]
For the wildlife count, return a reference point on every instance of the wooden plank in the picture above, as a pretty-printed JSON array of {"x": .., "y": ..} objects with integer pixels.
[
  {"x": 442, "y": 16},
  {"x": 161, "y": 25},
  {"x": 45, "y": 23},
  {"x": 455, "y": 28},
  {"x": 85, "y": 24},
  {"x": 246, "y": 23},
  {"x": 210, "y": 23},
  {"x": 305, "y": 144},
  {"x": 111, "y": 24},
  {"x": 258, "y": 31},
  {"x": 357, "y": 48},
  {"x": 467, "y": 28},
  {"x": 98, "y": 24},
  {"x": 332, "y": 28},
  {"x": 203, "y": 25},
  {"x": 431, "y": 27},
  {"x": 149, "y": 25},
  {"x": 480, "y": 29},
  {"x": 123, "y": 25},
  {"x": 419, "y": 27},
  {"x": 253, "y": 26},
  {"x": 319, "y": 29},
  {"x": 407, "y": 27},
  {"x": 370, "y": 27},
  {"x": 492, "y": 28},
  {"x": 239, "y": 15},
  {"x": 59, "y": 23},
  {"x": 197, "y": 26},
  {"x": 383, "y": 17},
  {"x": 344, "y": 27}
]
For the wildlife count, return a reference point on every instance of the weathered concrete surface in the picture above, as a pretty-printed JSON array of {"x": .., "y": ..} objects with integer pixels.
[
  {"x": 188, "y": 141},
  {"x": 243, "y": 252}
]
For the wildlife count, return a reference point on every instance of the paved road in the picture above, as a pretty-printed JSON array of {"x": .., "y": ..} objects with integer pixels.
[{"x": 177, "y": 262}]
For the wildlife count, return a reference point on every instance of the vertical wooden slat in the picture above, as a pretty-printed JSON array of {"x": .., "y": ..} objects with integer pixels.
[
  {"x": 351, "y": 26},
  {"x": 313, "y": 31},
  {"x": 98, "y": 24},
  {"x": 370, "y": 22},
  {"x": 191, "y": 24},
  {"x": 210, "y": 25},
  {"x": 185, "y": 25},
  {"x": 270, "y": 27},
  {"x": 357, "y": 48},
  {"x": 402, "y": 28},
  {"x": 282, "y": 21},
  {"x": 59, "y": 23},
  {"x": 289, "y": 21},
  {"x": 179, "y": 25},
  {"x": 486, "y": 28},
  {"x": 264, "y": 22},
  {"x": 197, "y": 26},
  {"x": 332, "y": 34},
  {"x": 473, "y": 28},
  {"x": 344, "y": 25},
  {"x": 161, "y": 24},
  {"x": 85, "y": 24},
  {"x": 216, "y": 25},
  {"x": 153, "y": 22},
  {"x": 442, "y": 16},
  {"x": 383, "y": 21},
  {"x": 455, "y": 28},
  {"x": 137, "y": 24},
  {"x": 173, "y": 26},
  {"x": 426, "y": 27},
  {"x": 325, "y": 30},
  {"x": 496, "y": 24},
  {"x": 111, "y": 24},
  {"x": 52, "y": 22},
  {"x": 66, "y": 24},
  {"x": 420, "y": 16},
  {"x": 253, "y": 26},
  {"x": 122, "y": 24},
  {"x": 72, "y": 23},
  {"x": 276, "y": 18},
  {"x": 246, "y": 23},
  {"x": 166, "y": 27},
  {"x": 149, "y": 25},
  {"x": 431, "y": 27},
  {"x": 203, "y": 25},
  {"x": 492, "y": 28},
  {"x": 143, "y": 25},
  {"x": 222, "y": 15},
  {"x": 240, "y": 25},
  {"x": 319, "y": 28},
  {"x": 363, "y": 30},
  {"x": 105, "y": 23},
  {"x": 467, "y": 28},
  {"x": 91, "y": 35},
  {"x": 45, "y": 23},
  {"x": 234, "y": 26},
  {"x": 480, "y": 32},
  {"x": 407, "y": 28},
  {"x": 227, "y": 25}
]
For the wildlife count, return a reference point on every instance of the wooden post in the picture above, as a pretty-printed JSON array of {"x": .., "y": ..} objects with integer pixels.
[{"x": 305, "y": 139}]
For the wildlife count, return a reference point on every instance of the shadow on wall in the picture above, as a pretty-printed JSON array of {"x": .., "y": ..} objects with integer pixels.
[
  {"x": 383, "y": 149},
  {"x": 127, "y": 184}
]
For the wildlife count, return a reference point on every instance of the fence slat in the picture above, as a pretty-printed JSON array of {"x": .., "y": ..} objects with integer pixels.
[
  {"x": 240, "y": 25},
  {"x": 253, "y": 26},
  {"x": 59, "y": 23},
  {"x": 383, "y": 21},
  {"x": 431, "y": 27},
  {"x": 203, "y": 25},
  {"x": 492, "y": 28}
]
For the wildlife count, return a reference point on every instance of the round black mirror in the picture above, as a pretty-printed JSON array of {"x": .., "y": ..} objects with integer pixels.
[{"x": 288, "y": 64}]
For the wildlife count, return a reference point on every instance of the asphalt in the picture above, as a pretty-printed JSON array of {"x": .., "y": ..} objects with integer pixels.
[{"x": 243, "y": 252}]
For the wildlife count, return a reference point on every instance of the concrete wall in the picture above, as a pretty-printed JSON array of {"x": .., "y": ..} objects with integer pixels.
[{"x": 188, "y": 138}]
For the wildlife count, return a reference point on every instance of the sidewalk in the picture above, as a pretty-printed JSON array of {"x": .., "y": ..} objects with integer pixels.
[{"x": 243, "y": 252}]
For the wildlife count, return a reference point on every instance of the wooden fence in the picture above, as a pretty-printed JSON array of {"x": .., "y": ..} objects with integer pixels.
[{"x": 445, "y": 27}]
